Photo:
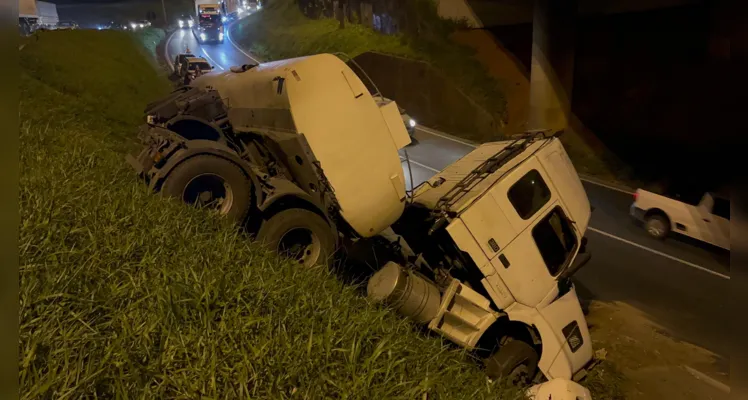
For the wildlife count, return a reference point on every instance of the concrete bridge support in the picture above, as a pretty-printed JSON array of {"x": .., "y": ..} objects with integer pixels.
[{"x": 552, "y": 68}]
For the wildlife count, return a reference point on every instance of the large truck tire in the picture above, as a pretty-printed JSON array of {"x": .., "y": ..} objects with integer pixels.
[
  {"x": 211, "y": 182},
  {"x": 515, "y": 360},
  {"x": 299, "y": 234}
]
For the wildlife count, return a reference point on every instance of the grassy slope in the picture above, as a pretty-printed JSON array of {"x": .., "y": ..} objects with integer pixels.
[
  {"x": 280, "y": 31},
  {"x": 123, "y": 292}
]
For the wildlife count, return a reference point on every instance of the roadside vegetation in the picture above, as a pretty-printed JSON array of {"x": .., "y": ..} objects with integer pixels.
[
  {"x": 281, "y": 31},
  {"x": 125, "y": 294}
]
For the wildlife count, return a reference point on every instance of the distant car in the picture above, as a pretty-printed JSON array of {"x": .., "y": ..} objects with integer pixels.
[
  {"x": 191, "y": 64},
  {"x": 141, "y": 24},
  {"x": 410, "y": 123},
  {"x": 180, "y": 61},
  {"x": 185, "y": 21},
  {"x": 118, "y": 26},
  {"x": 707, "y": 221},
  {"x": 66, "y": 25}
]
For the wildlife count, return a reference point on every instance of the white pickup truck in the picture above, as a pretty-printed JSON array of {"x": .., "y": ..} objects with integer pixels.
[{"x": 707, "y": 221}]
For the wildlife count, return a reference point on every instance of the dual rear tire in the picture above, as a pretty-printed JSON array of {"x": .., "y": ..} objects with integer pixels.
[{"x": 211, "y": 182}]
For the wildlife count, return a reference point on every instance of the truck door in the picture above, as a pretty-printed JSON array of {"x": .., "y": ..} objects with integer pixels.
[
  {"x": 530, "y": 238},
  {"x": 715, "y": 215}
]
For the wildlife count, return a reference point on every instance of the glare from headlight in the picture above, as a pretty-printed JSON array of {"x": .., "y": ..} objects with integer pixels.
[
  {"x": 181, "y": 23},
  {"x": 412, "y": 123},
  {"x": 142, "y": 25},
  {"x": 220, "y": 36},
  {"x": 224, "y": 19},
  {"x": 190, "y": 23},
  {"x": 133, "y": 25},
  {"x": 202, "y": 36},
  {"x": 240, "y": 9}
]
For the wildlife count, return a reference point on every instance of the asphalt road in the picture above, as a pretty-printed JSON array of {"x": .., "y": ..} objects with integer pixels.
[{"x": 682, "y": 285}]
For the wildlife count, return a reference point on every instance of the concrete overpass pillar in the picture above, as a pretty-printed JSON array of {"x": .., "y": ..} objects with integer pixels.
[{"x": 552, "y": 68}]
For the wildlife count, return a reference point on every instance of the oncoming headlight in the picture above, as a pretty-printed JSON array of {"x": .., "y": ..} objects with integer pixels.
[
  {"x": 220, "y": 36},
  {"x": 181, "y": 23},
  {"x": 412, "y": 123},
  {"x": 202, "y": 36},
  {"x": 190, "y": 23}
]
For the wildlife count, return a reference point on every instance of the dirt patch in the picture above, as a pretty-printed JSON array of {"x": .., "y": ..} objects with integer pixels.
[{"x": 654, "y": 364}]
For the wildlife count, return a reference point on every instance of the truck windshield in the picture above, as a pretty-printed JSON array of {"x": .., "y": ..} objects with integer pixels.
[
  {"x": 203, "y": 66},
  {"x": 555, "y": 239},
  {"x": 210, "y": 19}
]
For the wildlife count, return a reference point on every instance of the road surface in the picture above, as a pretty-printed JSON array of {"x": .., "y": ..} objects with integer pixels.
[{"x": 681, "y": 285}]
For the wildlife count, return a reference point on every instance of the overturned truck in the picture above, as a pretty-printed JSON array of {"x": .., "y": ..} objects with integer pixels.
[{"x": 304, "y": 156}]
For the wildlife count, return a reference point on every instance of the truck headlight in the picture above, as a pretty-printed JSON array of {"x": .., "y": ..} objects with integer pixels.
[{"x": 202, "y": 36}]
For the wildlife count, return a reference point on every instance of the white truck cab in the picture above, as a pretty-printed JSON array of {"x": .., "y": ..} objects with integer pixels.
[
  {"x": 515, "y": 213},
  {"x": 707, "y": 221}
]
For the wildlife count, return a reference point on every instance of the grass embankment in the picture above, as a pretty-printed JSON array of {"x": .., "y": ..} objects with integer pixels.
[
  {"x": 281, "y": 31},
  {"x": 125, "y": 294}
]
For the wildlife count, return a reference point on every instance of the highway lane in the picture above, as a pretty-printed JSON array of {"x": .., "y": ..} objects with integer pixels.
[
  {"x": 681, "y": 285},
  {"x": 221, "y": 55}
]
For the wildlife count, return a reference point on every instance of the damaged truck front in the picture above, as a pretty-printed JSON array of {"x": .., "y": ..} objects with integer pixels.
[{"x": 303, "y": 155}]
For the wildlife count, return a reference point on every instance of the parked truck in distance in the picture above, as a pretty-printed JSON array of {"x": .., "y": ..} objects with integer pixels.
[
  {"x": 302, "y": 155},
  {"x": 209, "y": 26}
]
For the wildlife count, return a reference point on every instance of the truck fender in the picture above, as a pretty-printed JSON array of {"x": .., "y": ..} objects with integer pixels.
[
  {"x": 212, "y": 134},
  {"x": 553, "y": 361},
  {"x": 194, "y": 148},
  {"x": 284, "y": 189}
]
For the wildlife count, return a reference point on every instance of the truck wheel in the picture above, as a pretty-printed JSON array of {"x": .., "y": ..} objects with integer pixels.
[
  {"x": 211, "y": 182},
  {"x": 657, "y": 226},
  {"x": 300, "y": 235},
  {"x": 515, "y": 360}
]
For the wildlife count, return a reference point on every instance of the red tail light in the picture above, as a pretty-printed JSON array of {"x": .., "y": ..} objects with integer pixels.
[{"x": 636, "y": 195}]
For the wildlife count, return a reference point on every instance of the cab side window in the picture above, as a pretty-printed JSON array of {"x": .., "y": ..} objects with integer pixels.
[
  {"x": 721, "y": 208},
  {"x": 529, "y": 194},
  {"x": 555, "y": 239}
]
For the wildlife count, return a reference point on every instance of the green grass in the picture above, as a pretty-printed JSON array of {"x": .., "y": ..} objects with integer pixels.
[
  {"x": 281, "y": 31},
  {"x": 125, "y": 294},
  {"x": 106, "y": 79}
]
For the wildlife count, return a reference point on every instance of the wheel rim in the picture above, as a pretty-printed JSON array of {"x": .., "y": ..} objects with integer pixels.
[
  {"x": 302, "y": 245},
  {"x": 209, "y": 191},
  {"x": 655, "y": 227},
  {"x": 519, "y": 375}
]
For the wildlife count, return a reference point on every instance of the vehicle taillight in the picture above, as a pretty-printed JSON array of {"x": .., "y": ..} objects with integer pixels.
[{"x": 636, "y": 195}]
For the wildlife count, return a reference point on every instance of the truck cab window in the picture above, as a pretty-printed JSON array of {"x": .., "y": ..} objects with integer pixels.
[
  {"x": 721, "y": 208},
  {"x": 529, "y": 194},
  {"x": 555, "y": 240}
]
